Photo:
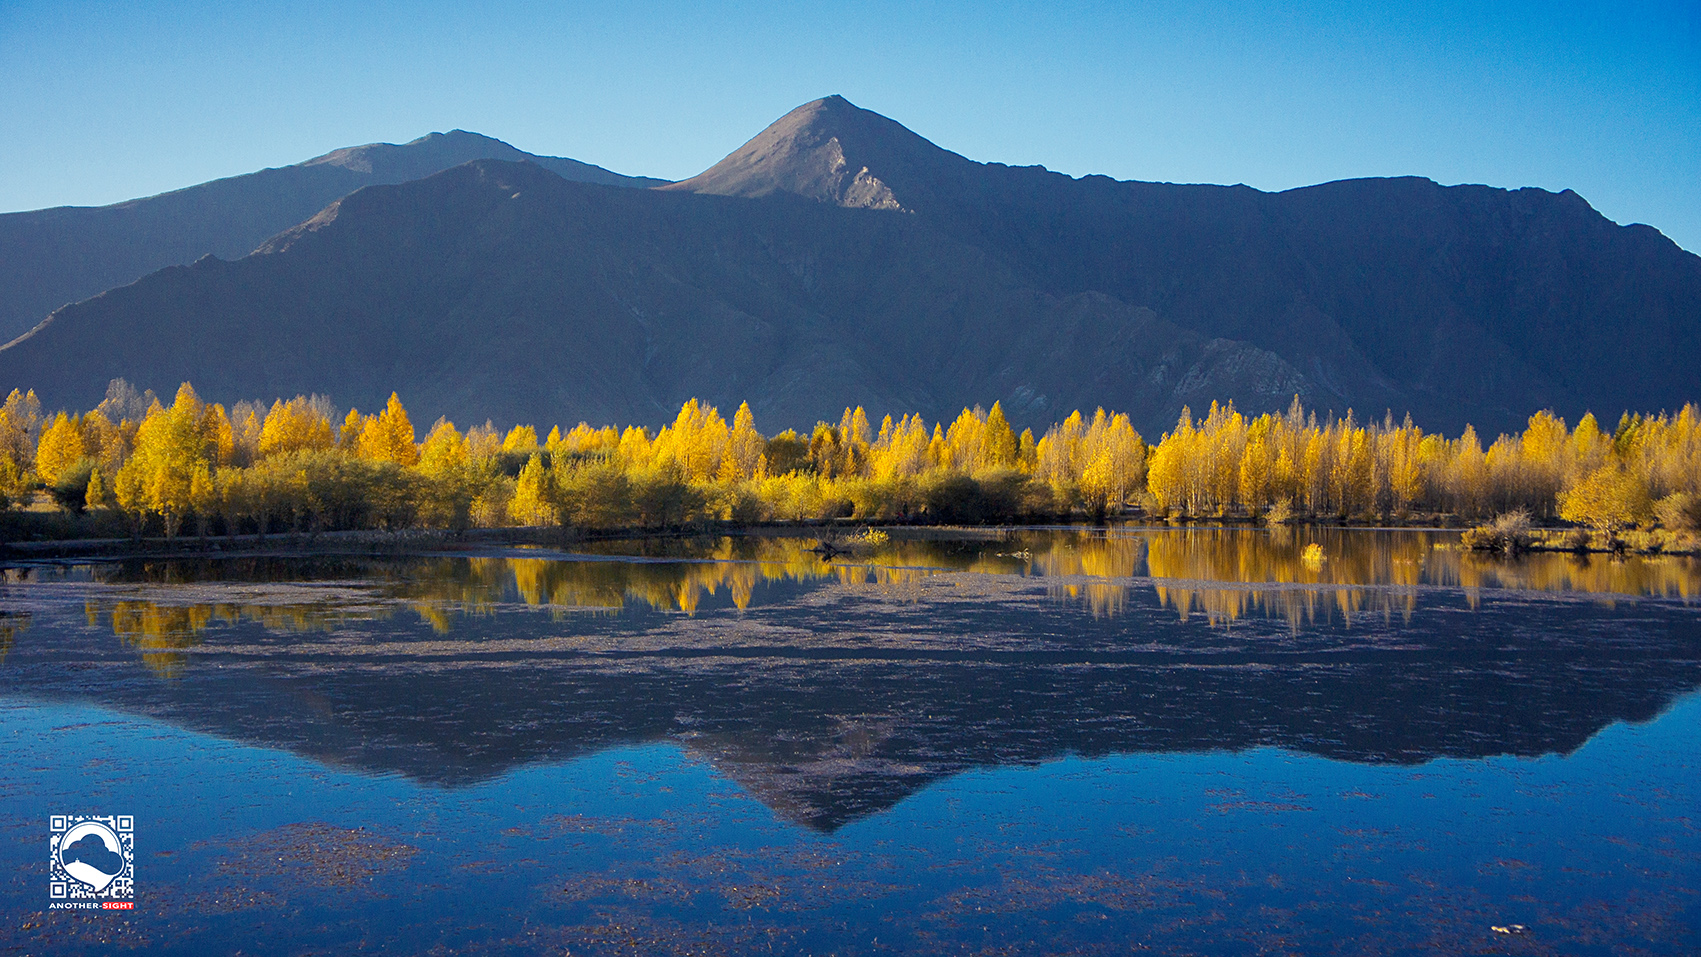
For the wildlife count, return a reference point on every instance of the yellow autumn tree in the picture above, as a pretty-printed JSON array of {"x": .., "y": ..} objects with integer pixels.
[
  {"x": 1000, "y": 443},
  {"x": 443, "y": 451},
  {"x": 1352, "y": 473},
  {"x": 967, "y": 439},
  {"x": 388, "y": 436},
  {"x": 1405, "y": 466},
  {"x": 695, "y": 442},
  {"x": 1257, "y": 469},
  {"x": 294, "y": 426},
  {"x": 106, "y": 443},
  {"x": 1610, "y": 498},
  {"x": 900, "y": 450},
  {"x": 220, "y": 437},
  {"x": 534, "y": 497},
  {"x": 20, "y": 425},
  {"x": 742, "y": 458},
  {"x": 520, "y": 438},
  {"x": 856, "y": 437},
  {"x": 1167, "y": 476},
  {"x": 171, "y": 445},
  {"x": 94, "y": 496},
  {"x": 582, "y": 439},
  {"x": 1058, "y": 456},
  {"x": 1468, "y": 474},
  {"x": 1115, "y": 466},
  {"x": 1027, "y": 452},
  {"x": 353, "y": 427},
  {"x": 61, "y": 447},
  {"x": 203, "y": 496}
]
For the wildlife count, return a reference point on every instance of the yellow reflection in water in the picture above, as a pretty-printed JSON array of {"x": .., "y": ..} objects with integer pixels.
[
  {"x": 1667, "y": 576},
  {"x": 159, "y": 632},
  {"x": 11, "y": 622},
  {"x": 1319, "y": 573},
  {"x": 440, "y": 589},
  {"x": 1078, "y": 556},
  {"x": 735, "y": 566},
  {"x": 1304, "y": 575},
  {"x": 1300, "y": 576},
  {"x": 162, "y": 632}
]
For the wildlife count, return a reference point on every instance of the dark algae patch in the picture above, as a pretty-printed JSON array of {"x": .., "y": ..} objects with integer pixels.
[
  {"x": 316, "y": 855},
  {"x": 1185, "y": 741}
]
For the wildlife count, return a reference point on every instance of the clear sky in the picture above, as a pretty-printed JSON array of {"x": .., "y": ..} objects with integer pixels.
[{"x": 103, "y": 101}]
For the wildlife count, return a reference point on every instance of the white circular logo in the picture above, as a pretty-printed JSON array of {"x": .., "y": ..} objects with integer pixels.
[{"x": 90, "y": 853}]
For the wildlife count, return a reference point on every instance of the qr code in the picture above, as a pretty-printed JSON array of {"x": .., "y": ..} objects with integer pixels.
[{"x": 92, "y": 857}]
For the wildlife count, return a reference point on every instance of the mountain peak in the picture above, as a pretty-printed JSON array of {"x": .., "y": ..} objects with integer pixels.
[
  {"x": 831, "y": 151},
  {"x": 462, "y": 135},
  {"x": 419, "y": 157}
]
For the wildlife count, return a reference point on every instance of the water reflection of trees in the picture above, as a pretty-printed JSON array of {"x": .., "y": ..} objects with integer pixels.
[
  {"x": 1227, "y": 574},
  {"x": 1190, "y": 565},
  {"x": 439, "y": 589},
  {"x": 1222, "y": 574},
  {"x": 164, "y": 632},
  {"x": 160, "y": 632},
  {"x": 1307, "y": 588},
  {"x": 730, "y": 566},
  {"x": 11, "y": 622},
  {"x": 1667, "y": 576}
]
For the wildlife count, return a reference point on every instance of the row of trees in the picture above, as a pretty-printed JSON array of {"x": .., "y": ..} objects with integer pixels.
[
  {"x": 1648, "y": 466},
  {"x": 297, "y": 464}
]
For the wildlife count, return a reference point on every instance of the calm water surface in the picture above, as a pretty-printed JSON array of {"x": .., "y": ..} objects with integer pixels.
[{"x": 1051, "y": 741}]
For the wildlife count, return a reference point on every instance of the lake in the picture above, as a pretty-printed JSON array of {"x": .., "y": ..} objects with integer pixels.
[{"x": 1065, "y": 740}]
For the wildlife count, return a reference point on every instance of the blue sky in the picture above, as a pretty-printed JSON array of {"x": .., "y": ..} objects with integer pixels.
[{"x": 104, "y": 101}]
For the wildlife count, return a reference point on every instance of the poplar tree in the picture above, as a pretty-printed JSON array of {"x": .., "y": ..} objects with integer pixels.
[
  {"x": 534, "y": 495},
  {"x": 171, "y": 444},
  {"x": 744, "y": 447},
  {"x": 1608, "y": 499},
  {"x": 1000, "y": 442},
  {"x": 388, "y": 436},
  {"x": 293, "y": 426},
  {"x": 521, "y": 438},
  {"x": 61, "y": 447}
]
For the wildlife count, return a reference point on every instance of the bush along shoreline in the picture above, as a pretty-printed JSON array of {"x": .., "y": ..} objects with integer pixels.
[{"x": 136, "y": 467}]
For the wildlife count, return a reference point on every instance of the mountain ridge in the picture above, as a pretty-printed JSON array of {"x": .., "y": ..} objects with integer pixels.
[
  {"x": 673, "y": 295},
  {"x": 1359, "y": 341},
  {"x": 60, "y": 255}
]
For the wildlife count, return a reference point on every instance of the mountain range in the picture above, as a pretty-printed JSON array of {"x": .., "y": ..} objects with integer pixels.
[
  {"x": 50, "y": 257},
  {"x": 840, "y": 259}
]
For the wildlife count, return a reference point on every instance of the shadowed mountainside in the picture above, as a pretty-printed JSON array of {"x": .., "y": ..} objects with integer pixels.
[
  {"x": 499, "y": 290},
  {"x": 1462, "y": 302},
  {"x": 50, "y": 257},
  {"x": 840, "y": 259}
]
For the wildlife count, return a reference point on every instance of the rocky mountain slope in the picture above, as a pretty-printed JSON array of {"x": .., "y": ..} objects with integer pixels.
[
  {"x": 50, "y": 257},
  {"x": 500, "y": 290},
  {"x": 1451, "y": 302}
]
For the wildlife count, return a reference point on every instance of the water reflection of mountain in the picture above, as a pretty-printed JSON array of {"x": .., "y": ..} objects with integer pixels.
[{"x": 834, "y": 692}]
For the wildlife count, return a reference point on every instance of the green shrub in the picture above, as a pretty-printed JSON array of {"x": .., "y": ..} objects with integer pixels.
[{"x": 70, "y": 491}]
